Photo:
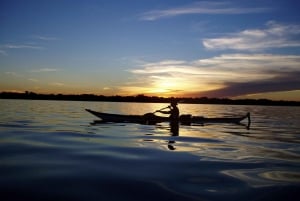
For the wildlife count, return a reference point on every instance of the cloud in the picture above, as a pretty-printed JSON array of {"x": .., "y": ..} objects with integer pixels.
[
  {"x": 33, "y": 80},
  {"x": 3, "y": 52},
  {"x": 44, "y": 70},
  {"x": 44, "y": 38},
  {"x": 205, "y": 7},
  {"x": 13, "y": 46},
  {"x": 168, "y": 77},
  {"x": 33, "y": 46},
  {"x": 286, "y": 82},
  {"x": 4, "y": 48},
  {"x": 161, "y": 67},
  {"x": 13, "y": 74},
  {"x": 58, "y": 84},
  {"x": 226, "y": 75},
  {"x": 275, "y": 35},
  {"x": 13, "y": 91}
]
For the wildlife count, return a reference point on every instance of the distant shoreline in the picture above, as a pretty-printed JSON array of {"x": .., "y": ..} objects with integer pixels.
[{"x": 144, "y": 99}]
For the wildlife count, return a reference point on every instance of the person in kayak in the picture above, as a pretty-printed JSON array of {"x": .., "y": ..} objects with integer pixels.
[
  {"x": 174, "y": 117},
  {"x": 174, "y": 112}
]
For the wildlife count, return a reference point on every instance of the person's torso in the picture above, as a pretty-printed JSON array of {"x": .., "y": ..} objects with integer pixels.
[{"x": 174, "y": 113}]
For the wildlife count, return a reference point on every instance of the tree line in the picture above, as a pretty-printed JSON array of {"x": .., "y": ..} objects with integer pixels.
[{"x": 142, "y": 98}]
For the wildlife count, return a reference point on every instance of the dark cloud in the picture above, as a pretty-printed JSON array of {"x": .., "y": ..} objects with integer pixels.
[{"x": 285, "y": 82}]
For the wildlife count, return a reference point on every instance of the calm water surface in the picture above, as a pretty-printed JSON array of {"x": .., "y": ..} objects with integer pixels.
[{"x": 50, "y": 150}]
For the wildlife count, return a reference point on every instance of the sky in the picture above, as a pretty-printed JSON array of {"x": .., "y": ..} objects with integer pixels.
[{"x": 181, "y": 48}]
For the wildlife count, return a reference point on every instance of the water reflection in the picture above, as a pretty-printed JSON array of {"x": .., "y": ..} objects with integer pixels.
[
  {"x": 52, "y": 143},
  {"x": 191, "y": 136},
  {"x": 262, "y": 177},
  {"x": 174, "y": 128}
]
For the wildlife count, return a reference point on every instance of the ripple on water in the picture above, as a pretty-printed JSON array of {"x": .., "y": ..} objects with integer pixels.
[{"x": 262, "y": 177}]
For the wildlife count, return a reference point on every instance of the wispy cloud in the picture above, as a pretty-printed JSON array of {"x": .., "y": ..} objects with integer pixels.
[
  {"x": 3, "y": 52},
  {"x": 44, "y": 70},
  {"x": 13, "y": 90},
  {"x": 44, "y": 38},
  {"x": 225, "y": 75},
  {"x": 4, "y": 48},
  {"x": 22, "y": 46},
  {"x": 205, "y": 7},
  {"x": 275, "y": 35},
  {"x": 33, "y": 80},
  {"x": 13, "y": 74},
  {"x": 58, "y": 84}
]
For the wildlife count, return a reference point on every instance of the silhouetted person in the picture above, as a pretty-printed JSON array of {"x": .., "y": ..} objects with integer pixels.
[
  {"x": 174, "y": 117},
  {"x": 174, "y": 111},
  {"x": 174, "y": 121}
]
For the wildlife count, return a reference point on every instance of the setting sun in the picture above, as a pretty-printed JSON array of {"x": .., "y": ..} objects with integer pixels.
[
  {"x": 166, "y": 85},
  {"x": 170, "y": 85}
]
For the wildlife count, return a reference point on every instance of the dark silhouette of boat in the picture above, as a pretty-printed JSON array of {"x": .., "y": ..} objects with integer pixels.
[{"x": 151, "y": 118}]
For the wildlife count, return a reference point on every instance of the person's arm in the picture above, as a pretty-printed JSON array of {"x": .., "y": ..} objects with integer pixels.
[{"x": 164, "y": 112}]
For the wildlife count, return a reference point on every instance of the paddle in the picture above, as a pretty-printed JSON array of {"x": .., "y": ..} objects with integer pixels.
[
  {"x": 150, "y": 118},
  {"x": 161, "y": 109},
  {"x": 151, "y": 115}
]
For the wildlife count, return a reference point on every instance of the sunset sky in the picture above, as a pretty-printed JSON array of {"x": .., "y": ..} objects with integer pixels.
[{"x": 230, "y": 48}]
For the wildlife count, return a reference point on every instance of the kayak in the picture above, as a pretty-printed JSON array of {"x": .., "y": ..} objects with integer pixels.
[
  {"x": 151, "y": 118},
  {"x": 120, "y": 118}
]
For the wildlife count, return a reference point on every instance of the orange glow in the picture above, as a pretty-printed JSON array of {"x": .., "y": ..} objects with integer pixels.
[{"x": 170, "y": 86}]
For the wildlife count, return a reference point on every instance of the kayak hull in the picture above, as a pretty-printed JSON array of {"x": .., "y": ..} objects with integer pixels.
[{"x": 150, "y": 118}]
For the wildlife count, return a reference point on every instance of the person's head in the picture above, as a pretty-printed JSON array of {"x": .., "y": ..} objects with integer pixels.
[{"x": 173, "y": 103}]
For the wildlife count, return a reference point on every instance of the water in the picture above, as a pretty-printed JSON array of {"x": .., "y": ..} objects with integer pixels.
[{"x": 49, "y": 150}]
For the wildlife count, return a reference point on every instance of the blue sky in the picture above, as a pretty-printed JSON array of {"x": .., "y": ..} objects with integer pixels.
[{"x": 231, "y": 48}]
